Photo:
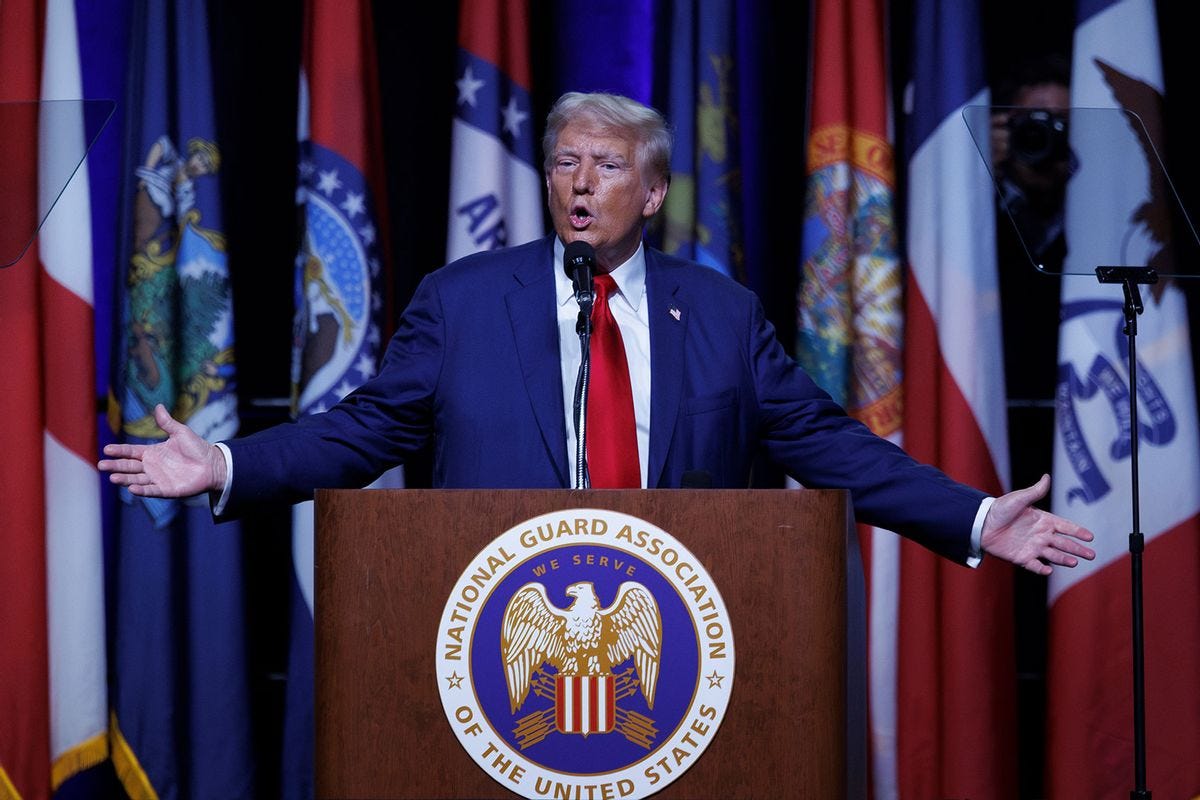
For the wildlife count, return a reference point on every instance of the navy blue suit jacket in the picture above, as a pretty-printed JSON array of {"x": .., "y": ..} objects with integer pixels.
[{"x": 474, "y": 370}]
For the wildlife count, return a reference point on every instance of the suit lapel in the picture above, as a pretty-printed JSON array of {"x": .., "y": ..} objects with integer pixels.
[
  {"x": 668, "y": 328},
  {"x": 535, "y": 332}
]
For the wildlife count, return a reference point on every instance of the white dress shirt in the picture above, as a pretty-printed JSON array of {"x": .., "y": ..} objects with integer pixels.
[{"x": 629, "y": 309}]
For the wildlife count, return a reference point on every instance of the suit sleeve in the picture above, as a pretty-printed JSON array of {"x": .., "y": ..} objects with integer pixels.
[
  {"x": 819, "y": 445},
  {"x": 373, "y": 429}
]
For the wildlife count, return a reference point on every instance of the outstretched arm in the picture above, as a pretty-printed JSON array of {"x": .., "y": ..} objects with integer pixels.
[
  {"x": 1031, "y": 538},
  {"x": 182, "y": 466}
]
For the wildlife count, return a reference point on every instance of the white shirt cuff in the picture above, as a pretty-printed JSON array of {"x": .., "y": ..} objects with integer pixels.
[
  {"x": 975, "y": 556},
  {"x": 219, "y": 507}
]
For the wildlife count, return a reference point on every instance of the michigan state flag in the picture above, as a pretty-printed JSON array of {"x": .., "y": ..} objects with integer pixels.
[{"x": 180, "y": 720}]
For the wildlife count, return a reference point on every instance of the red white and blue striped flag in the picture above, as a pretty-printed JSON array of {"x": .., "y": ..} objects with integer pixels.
[
  {"x": 495, "y": 180},
  {"x": 1111, "y": 204},
  {"x": 956, "y": 734}
]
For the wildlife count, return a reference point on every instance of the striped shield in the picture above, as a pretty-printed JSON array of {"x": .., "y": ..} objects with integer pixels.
[{"x": 584, "y": 703}]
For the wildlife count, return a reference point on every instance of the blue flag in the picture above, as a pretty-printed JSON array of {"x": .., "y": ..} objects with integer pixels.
[
  {"x": 181, "y": 725},
  {"x": 703, "y": 209}
]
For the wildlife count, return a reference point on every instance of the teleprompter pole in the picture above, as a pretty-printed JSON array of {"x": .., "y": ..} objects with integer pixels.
[{"x": 1131, "y": 278}]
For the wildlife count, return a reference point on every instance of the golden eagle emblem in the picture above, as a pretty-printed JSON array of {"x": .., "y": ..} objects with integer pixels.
[{"x": 581, "y": 640}]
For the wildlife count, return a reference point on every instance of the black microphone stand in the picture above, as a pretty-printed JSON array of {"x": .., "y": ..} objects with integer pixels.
[
  {"x": 583, "y": 327},
  {"x": 1130, "y": 279}
]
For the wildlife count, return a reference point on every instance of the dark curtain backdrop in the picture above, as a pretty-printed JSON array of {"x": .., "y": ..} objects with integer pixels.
[{"x": 256, "y": 52}]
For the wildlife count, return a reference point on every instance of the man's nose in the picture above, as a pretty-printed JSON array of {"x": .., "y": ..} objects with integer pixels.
[{"x": 583, "y": 180}]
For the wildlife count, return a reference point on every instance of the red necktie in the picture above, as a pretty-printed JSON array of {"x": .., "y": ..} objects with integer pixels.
[{"x": 612, "y": 448}]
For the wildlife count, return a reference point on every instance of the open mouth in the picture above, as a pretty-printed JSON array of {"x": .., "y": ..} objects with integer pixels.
[{"x": 580, "y": 217}]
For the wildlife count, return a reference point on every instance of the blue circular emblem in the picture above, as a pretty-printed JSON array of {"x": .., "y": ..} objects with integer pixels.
[
  {"x": 337, "y": 332},
  {"x": 585, "y": 651}
]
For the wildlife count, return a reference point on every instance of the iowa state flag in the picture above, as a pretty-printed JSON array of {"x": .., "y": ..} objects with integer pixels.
[
  {"x": 1111, "y": 218},
  {"x": 495, "y": 177},
  {"x": 956, "y": 721}
]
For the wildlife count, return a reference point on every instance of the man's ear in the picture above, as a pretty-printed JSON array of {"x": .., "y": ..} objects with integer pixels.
[{"x": 655, "y": 197}]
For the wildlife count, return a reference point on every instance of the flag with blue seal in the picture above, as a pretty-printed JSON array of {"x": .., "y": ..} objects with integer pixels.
[
  {"x": 339, "y": 290},
  {"x": 181, "y": 706}
]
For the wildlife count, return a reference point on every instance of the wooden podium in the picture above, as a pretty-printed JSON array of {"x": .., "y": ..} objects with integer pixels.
[{"x": 785, "y": 561}]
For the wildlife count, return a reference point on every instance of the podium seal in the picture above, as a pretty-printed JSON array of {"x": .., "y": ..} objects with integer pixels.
[{"x": 585, "y": 654}]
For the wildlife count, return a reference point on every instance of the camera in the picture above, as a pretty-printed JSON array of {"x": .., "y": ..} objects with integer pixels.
[{"x": 1038, "y": 137}]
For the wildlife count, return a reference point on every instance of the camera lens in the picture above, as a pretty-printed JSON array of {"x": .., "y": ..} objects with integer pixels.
[{"x": 1038, "y": 137}]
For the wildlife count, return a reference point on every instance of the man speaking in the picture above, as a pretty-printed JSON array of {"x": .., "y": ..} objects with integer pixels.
[{"x": 684, "y": 381}]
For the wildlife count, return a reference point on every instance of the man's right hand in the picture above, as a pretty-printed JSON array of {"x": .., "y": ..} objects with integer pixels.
[{"x": 182, "y": 466}]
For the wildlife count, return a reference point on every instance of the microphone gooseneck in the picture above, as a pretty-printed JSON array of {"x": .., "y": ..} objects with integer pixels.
[{"x": 579, "y": 262}]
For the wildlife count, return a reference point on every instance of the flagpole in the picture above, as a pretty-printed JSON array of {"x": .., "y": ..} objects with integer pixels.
[{"x": 1130, "y": 278}]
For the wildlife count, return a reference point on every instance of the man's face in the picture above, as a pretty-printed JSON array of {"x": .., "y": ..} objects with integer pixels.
[{"x": 599, "y": 193}]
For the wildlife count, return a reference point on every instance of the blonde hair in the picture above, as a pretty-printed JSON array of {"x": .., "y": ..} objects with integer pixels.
[{"x": 654, "y": 136}]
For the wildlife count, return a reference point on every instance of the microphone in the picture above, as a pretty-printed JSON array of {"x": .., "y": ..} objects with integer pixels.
[{"x": 579, "y": 262}]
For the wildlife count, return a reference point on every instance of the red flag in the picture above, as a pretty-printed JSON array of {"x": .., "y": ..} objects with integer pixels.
[
  {"x": 344, "y": 88},
  {"x": 52, "y": 695},
  {"x": 24, "y": 686}
]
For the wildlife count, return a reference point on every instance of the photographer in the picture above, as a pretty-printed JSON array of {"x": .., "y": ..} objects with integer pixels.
[
  {"x": 1031, "y": 154},
  {"x": 1032, "y": 164}
]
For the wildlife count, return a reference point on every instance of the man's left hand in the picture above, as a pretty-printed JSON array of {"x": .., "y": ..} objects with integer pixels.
[{"x": 1031, "y": 538}]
